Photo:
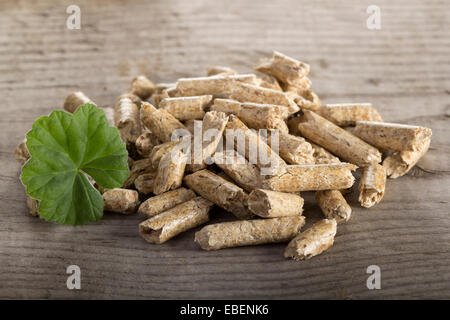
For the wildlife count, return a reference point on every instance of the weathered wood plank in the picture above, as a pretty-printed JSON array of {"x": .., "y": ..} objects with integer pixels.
[{"x": 403, "y": 69}]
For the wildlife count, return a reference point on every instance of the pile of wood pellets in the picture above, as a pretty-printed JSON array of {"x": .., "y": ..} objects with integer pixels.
[{"x": 318, "y": 147}]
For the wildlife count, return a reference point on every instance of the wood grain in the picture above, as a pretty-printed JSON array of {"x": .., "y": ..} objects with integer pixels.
[{"x": 403, "y": 69}]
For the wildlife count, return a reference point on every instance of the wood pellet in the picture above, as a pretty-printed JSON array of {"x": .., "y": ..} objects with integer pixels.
[{"x": 273, "y": 140}]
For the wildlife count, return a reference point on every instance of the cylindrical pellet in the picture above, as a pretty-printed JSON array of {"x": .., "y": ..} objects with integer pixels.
[
  {"x": 333, "y": 205},
  {"x": 273, "y": 204},
  {"x": 284, "y": 68},
  {"x": 172, "y": 222},
  {"x": 21, "y": 152},
  {"x": 249, "y": 232},
  {"x": 186, "y": 108},
  {"x": 170, "y": 171},
  {"x": 312, "y": 241},
  {"x": 145, "y": 182},
  {"x": 33, "y": 206},
  {"x": 371, "y": 185},
  {"x": 142, "y": 87},
  {"x": 253, "y": 147},
  {"x": 158, "y": 151},
  {"x": 312, "y": 177},
  {"x": 146, "y": 142},
  {"x": 137, "y": 168},
  {"x": 243, "y": 173},
  {"x": 74, "y": 100},
  {"x": 293, "y": 149},
  {"x": 121, "y": 200},
  {"x": 392, "y": 136},
  {"x": 127, "y": 120},
  {"x": 335, "y": 139},
  {"x": 218, "y": 86},
  {"x": 346, "y": 114},
  {"x": 322, "y": 156},
  {"x": 220, "y": 191},
  {"x": 155, "y": 205},
  {"x": 400, "y": 162},
  {"x": 160, "y": 122}
]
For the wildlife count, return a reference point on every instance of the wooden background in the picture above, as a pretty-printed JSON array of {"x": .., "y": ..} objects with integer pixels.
[{"x": 403, "y": 69}]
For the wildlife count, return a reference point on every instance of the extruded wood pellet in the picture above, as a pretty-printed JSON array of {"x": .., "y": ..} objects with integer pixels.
[
  {"x": 301, "y": 85},
  {"x": 127, "y": 120},
  {"x": 245, "y": 92},
  {"x": 74, "y": 100},
  {"x": 220, "y": 191},
  {"x": 218, "y": 86},
  {"x": 160, "y": 122},
  {"x": 176, "y": 220},
  {"x": 269, "y": 82},
  {"x": 21, "y": 152},
  {"x": 190, "y": 124},
  {"x": 312, "y": 177},
  {"x": 33, "y": 206},
  {"x": 220, "y": 70},
  {"x": 273, "y": 204},
  {"x": 138, "y": 167},
  {"x": 244, "y": 174},
  {"x": 136, "y": 100},
  {"x": 186, "y": 108},
  {"x": 284, "y": 68},
  {"x": 254, "y": 115},
  {"x": 119, "y": 200},
  {"x": 335, "y": 139},
  {"x": 322, "y": 156},
  {"x": 392, "y": 136},
  {"x": 145, "y": 182},
  {"x": 306, "y": 99},
  {"x": 170, "y": 171},
  {"x": 255, "y": 150},
  {"x": 146, "y": 142},
  {"x": 158, "y": 97},
  {"x": 142, "y": 87},
  {"x": 312, "y": 241},
  {"x": 333, "y": 205},
  {"x": 293, "y": 149},
  {"x": 371, "y": 185},
  {"x": 249, "y": 232},
  {"x": 158, "y": 151},
  {"x": 346, "y": 114},
  {"x": 400, "y": 162},
  {"x": 165, "y": 201}
]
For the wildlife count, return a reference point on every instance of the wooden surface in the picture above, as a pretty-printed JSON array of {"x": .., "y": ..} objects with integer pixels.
[{"x": 403, "y": 69}]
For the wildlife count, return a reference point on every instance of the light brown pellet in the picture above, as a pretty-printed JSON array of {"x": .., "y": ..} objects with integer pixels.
[
  {"x": 371, "y": 186},
  {"x": 392, "y": 136},
  {"x": 190, "y": 125},
  {"x": 254, "y": 115},
  {"x": 33, "y": 206},
  {"x": 322, "y": 156},
  {"x": 145, "y": 182},
  {"x": 127, "y": 120},
  {"x": 245, "y": 92},
  {"x": 136, "y": 100},
  {"x": 218, "y": 86},
  {"x": 249, "y": 232},
  {"x": 312, "y": 241},
  {"x": 333, "y": 205},
  {"x": 74, "y": 100},
  {"x": 293, "y": 149},
  {"x": 146, "y": 142},
  {"x": 155, "y": 205},
  {"x": 243, "y": 173},
  {"x": 142, "y": 87},
  {"x": 21, "y": 152},
  {"x": 158, "y": 151},
  {"x": 269, "y": 82},
  {"x": 186, "y": 108},
  {"x": 265, "y": 158},
  {"x": 170, "y": 171},
  {"x": 312, "y": 177},
  {"x": 124, "y": 201},
  {"x": 220, "y": 191},
  {"x": 158, "y": 97},
  {"x": 335, "y": 139},
  {"x": 138, "y": 167},
  {"x": 160, "y": 122},
  {"x": 284, "y": 68},
  {"x": 346, "y": 114},
  {"x": 400, "y": 162},
  {"x": 172, "y": 222},
  {"x": 273, "y": 204}
]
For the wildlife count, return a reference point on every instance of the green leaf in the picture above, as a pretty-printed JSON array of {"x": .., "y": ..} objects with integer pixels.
[{"x": 66, "y": 147}]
